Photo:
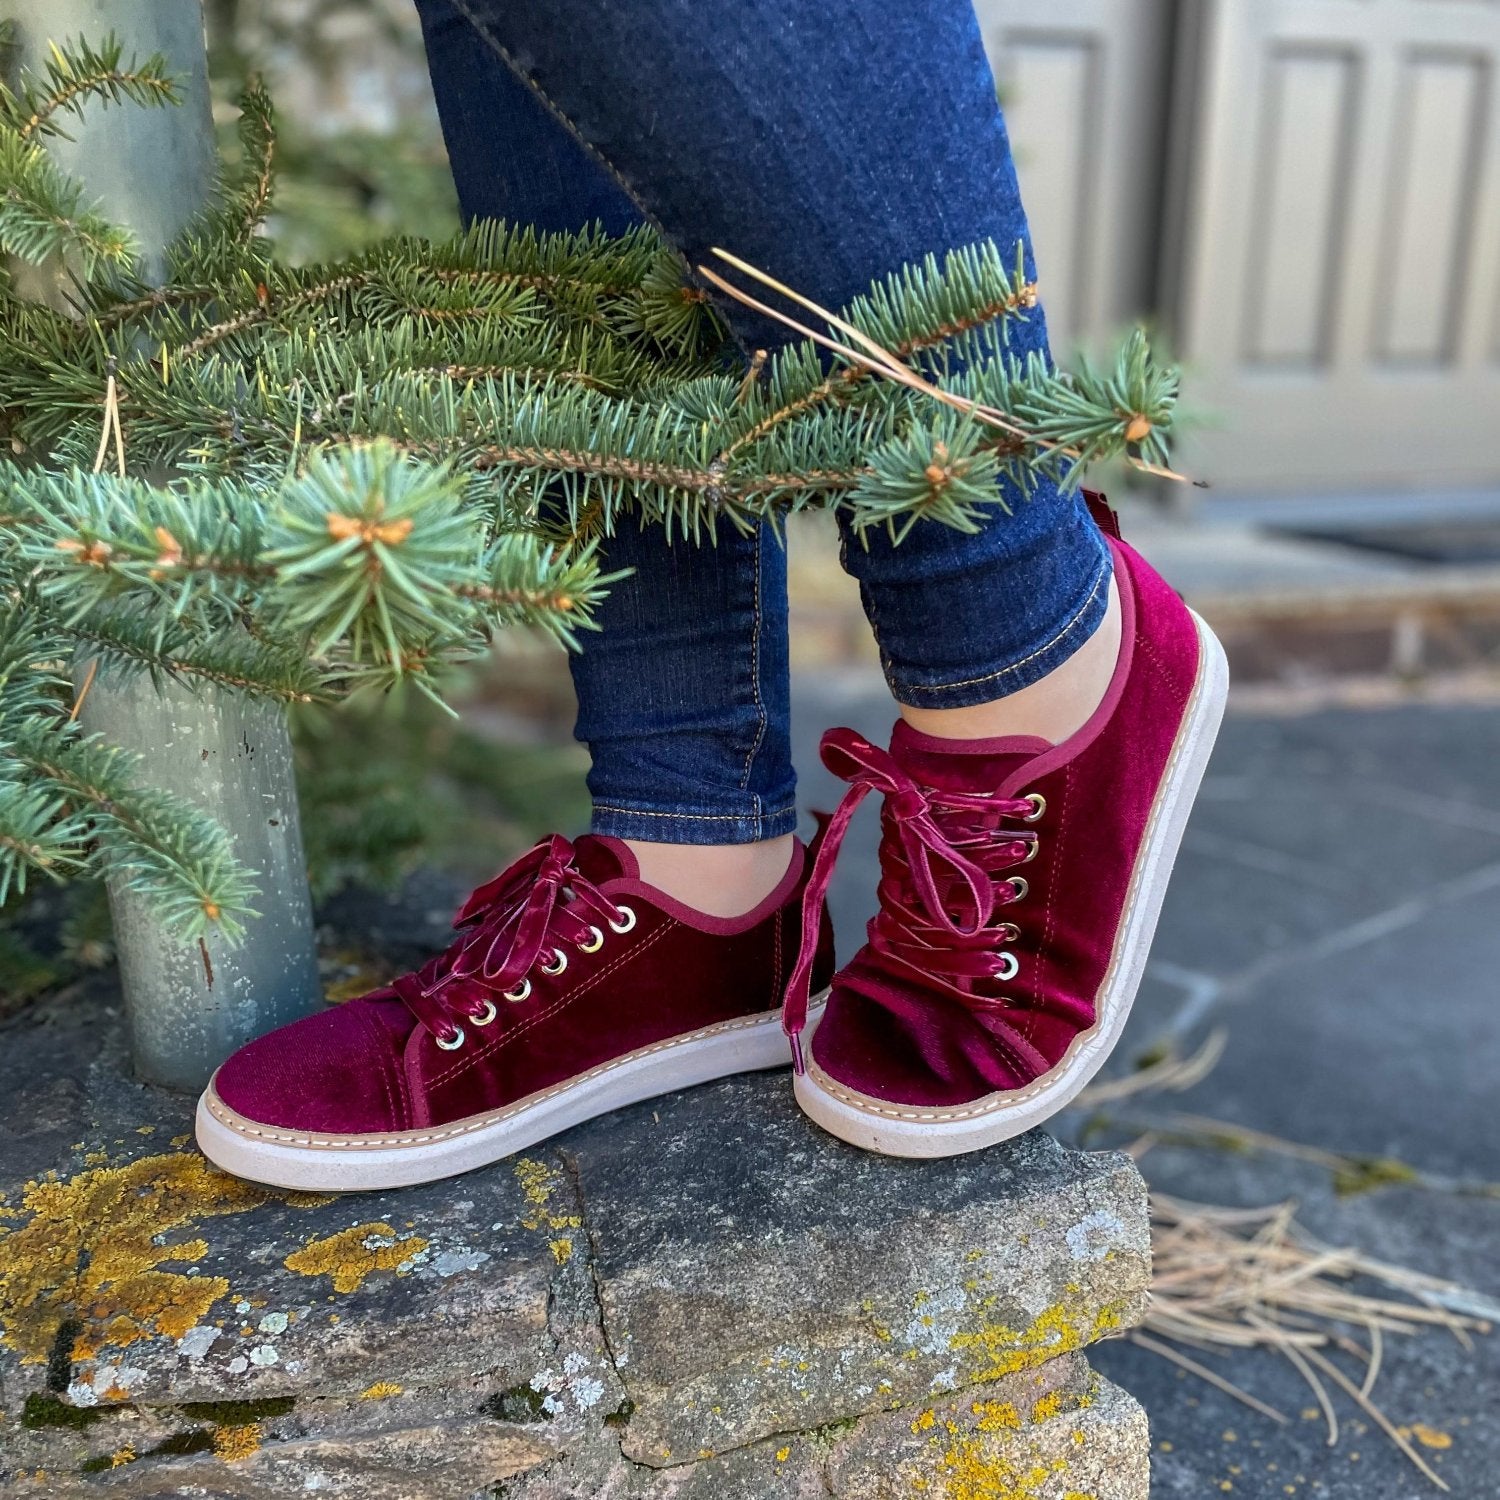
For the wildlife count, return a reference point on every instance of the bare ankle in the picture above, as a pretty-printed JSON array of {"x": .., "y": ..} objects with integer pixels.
[
  {"x": 1053, "y": 708},
  {"x": 720, "y": 880}
]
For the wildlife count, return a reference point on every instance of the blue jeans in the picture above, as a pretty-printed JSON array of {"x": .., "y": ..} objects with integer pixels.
[{"x": 829, "y": 142}]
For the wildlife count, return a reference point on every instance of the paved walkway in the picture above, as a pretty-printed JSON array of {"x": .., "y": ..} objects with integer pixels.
[{"x": 1336, "y": 907}]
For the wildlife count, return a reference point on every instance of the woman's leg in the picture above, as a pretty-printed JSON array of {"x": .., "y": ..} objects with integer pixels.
[
  {"x": 1067, "y": 698},
  {"x": 683, "y": 693},
  {"x": 830, "y": 143}
]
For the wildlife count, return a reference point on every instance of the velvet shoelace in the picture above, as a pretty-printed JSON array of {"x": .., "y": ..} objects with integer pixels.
[
  {"x": 527, "y": 913},
  {"x": 942, "y": 886}
]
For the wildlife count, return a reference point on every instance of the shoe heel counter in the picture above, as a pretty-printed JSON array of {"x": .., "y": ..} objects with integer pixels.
[{"x": 1163, "y": 623}]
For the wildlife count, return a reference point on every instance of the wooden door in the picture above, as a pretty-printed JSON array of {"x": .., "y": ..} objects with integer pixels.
[
  {"x": 1336, "y": 282},
  {"x": 1084, "y": 88}
]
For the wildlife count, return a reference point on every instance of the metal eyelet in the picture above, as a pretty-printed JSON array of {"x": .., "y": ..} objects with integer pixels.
[
  {"x": 594, "y": 944},
  {"x": 485, "y": 1016},
  {"x": 1014, "y": 967},
  {"x": 625, "y": 923},
  {"x": 1031, "y": 850},
  {"x": 519, "y": 993},
  {"x": 1009, "y": 932},
  {"x": 1021, "y": 886},
  {"x": 454, "y": 1042},
  {"x": 558, "y": 964},
  {"x": 1038, "y": 806}
]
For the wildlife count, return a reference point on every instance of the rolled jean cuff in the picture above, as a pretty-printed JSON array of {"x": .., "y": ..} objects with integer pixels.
[
  {"x": 685, "y": 826},
  {"x": 986, "y": 682}
]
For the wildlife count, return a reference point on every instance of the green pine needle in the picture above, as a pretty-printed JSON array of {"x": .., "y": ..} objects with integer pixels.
[{"x": 349, "y": 476}]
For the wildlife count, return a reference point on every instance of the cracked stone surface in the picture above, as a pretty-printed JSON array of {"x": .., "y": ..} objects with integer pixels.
[
  {"x": 701, "y": 1297},
  {"x": 784, "y": 1280}
]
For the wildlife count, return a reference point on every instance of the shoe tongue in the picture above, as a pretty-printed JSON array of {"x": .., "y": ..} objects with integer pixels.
[
  {"x": 962, "y": 765},
  {"x": 602, "y": 857}
]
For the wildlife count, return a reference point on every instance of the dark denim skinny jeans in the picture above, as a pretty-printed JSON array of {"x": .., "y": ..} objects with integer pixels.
[{"x": 828, "y": 141}]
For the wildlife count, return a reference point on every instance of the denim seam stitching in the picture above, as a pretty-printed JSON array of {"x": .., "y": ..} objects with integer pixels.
[
  {"x": 554, "y": 109},
  {"x": 1083, "y": 609},
  {"x": 641, "y": 812},
  {"x": 760, "y": 707}
]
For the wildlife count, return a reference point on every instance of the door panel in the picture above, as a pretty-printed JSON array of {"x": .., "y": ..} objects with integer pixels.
[
  {"x": 1084, "y": 88},
  {"x": 1339, "y": 291}
]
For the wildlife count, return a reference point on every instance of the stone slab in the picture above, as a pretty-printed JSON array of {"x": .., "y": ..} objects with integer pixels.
[
  {"x": 1445, "y": 1395},
  {"x": 654, "y": 1305},
  {"x": 766, "y": 1276}
]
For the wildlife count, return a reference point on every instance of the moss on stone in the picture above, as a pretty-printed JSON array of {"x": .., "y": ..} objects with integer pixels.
[
  {"x": 521, "y": 1403},
  {"x": 47, "y": 1411},
  {"x": 179, "y": 1445},
  {"x": 1363, "y": 1174},
  {"x": 238, "y": 1413},
  {"x": 832, "y": 1432},
  {"x": 620, "y": 1417}
]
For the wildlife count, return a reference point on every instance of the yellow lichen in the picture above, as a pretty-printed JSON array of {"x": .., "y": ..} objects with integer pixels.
[
  {"x": 782, "y": 1454},
  {"x": 96, "y": 1249},
  {"x": 1047, "y": 1408},
  {"x": 351, "y": 1255},
  {"x": 562, "y": 1250},
  {"x": 995, "y": 1349},
  {"x": 925, "y": 1421},
  {"x": 122, "y": 1456},
  {"x": 971, "y": 1470},
  {"x": 381, "y": 1390},
  {"x": 235, "y": 1444},
  {"x": 997, "y": 1416},
  {"x": 1428, "y": 1437},
  {"x": 539, "y": 1182}
]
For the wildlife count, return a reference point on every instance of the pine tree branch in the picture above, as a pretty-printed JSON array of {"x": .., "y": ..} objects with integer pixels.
[
  {"x": 76, "y": 73},
  {"x": 170, "y": 853},
  {"x": 258, "y": 140},
  {"x": 41, "y": 213}
]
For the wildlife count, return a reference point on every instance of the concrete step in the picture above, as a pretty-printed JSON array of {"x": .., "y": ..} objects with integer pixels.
[{"x": 1289, "y": 610}]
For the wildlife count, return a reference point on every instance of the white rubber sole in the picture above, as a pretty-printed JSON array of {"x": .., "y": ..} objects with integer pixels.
[
  {"x": 359, "y": 1163},
  {"x": 910, "y": 1130}
]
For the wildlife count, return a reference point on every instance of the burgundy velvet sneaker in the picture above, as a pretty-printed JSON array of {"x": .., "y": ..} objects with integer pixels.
[
  {"x": 574, "y": 988},
  {"x": 1020, "y": 888}
]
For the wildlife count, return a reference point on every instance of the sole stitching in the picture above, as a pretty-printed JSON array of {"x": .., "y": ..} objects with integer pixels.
[{"x": 236, "y": 1122}]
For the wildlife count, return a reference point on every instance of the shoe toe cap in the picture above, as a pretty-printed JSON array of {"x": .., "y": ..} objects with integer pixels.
[{"x": 336, "y": 1071}]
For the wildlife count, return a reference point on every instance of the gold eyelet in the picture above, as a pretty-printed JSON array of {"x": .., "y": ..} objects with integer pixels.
[
  {"x": 1021, "y": 886},
  {"x": 1009, "y": 932},
  {"x": 558, "y": 964},
  {"x": 454, "y": 1042},
  {"x": 485, "y": 1016},
  {"x": 519, "y": 993},
  {"x": 1038, "y": 806},
  {"x": 594, "y": 944},
  {"x": 1014, "y": 967},
  {"x": 625, "y": 923}
]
